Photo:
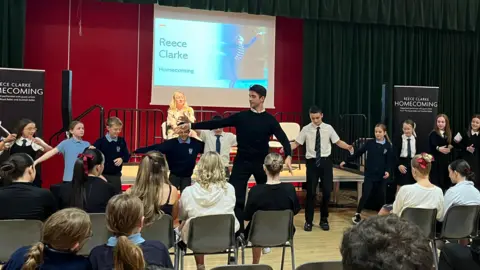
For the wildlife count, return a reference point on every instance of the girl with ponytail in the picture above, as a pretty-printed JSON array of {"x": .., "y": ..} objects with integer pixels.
[
  {"x": 463, "y": 192},
  {"x": 22, "y": 199},
  {"x": 64, "y": 234},
  {"x": 126, "y": 249},
  {"x": 88, "y": 190}
]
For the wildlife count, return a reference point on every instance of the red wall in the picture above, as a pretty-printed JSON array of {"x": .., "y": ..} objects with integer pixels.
[{"x": 102, "y": 54}]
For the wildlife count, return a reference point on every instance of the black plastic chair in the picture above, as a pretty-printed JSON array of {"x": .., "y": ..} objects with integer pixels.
[
  {"x": 162, "y": 230},
  {"x": 213, "y": 234},
  {"x": 100, "y": 233},
  {"x": 16, "y": 234},
  {"x": 321, "y": 266},
  {"x": 460, "y": 222},
  {"x": 272, "y": 229},
  {"x": 426, "y": 220}
]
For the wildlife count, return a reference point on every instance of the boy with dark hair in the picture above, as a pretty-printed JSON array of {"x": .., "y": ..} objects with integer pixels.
[
  {"x": 318, "y": 138},
  {"x": 181, "y": 154},
  {"x": 115, "y": 150},
  {"x": 254, "y": 128},
  {"x": 386, "y": 243}
]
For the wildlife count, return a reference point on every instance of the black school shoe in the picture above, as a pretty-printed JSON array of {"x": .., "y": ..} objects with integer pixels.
[
  {"x": 307, "y": 227},
  {"x": 324, "y": 224}
]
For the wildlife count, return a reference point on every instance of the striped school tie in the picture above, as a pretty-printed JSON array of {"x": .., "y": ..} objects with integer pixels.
[{"x": 318, "y": 148}]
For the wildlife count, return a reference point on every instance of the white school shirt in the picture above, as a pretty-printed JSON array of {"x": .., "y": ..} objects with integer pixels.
[
  {"x": 327, "y": 137},
  {"x": 416, "y": 196},
  {"x": 404, "y": 152},
  {"x": 463, "y": 193},
  {"x": 19, "y": 142},
  {"x": 459, "y": 138},
  {"x": 227, "y": 140}
]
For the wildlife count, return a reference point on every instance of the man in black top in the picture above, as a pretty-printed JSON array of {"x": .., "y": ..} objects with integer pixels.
[
  {"x": 254, "y": 128},
  {"x": 181, "y": 154}
]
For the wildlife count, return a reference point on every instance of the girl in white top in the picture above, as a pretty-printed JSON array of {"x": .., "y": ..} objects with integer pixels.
[
  {"x": 211, "y": 194},
  {"x": 422, "y": 194}
]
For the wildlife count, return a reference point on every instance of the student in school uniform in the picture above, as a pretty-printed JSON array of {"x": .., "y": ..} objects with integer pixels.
[
  {"x": 115, "y": 150},
  {"x": 28, "y": 143},
  {"x": 63, "y": 234},
  {"x": 440, "y": 142},
  {"x": 406, "y": 150},
  {"x": 21, "y": 199},
  {"x": 126, "y": 248},
  {"x": 469, "y": 144},
  {"x": 219, "y": 141},
  {"x": 70, "y": 148},
  {"x": 181, "y": 156},
  {"x": 377, "y": 168},
  {"x": 318, "y": 137}
]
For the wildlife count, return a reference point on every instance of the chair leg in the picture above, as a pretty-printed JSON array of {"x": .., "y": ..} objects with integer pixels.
[
  {"x": 283, "y": 258},
  {"x": 175, "y": 258},
  {"x": 243, "y": 254},
  {"x": 182, "y": 255},
  {"x": 298, "y": 159},
  {"x": 435, "y": 253},
  {"x": 293, "y": 254}
]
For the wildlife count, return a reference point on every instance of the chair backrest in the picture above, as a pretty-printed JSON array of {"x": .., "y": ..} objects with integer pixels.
[
  {"x": 424, "y": 218},
  {"x": 100, "y": 233},
  {"x": 291, "y": 129},
  {"x": 18, "y": 233},
  {"x": 211, "y": 234},
  {"x": 244, "y": 267},
  {"x": 461, "y": 221},
  {"x": 161, "y": 230},
  {"x": 164, "y": 130},
  {"x": 321, "y": 266},
  {"x": 271, "y": 228}
]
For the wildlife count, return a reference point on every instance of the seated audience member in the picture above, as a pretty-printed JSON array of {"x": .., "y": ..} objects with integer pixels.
[
  {"x": 458, "y": 257},
  {"x": 271, "y": 196},
  {"x": 422, "y": 194},
  {"x": 126, "y": 249},
  {"x": 153, "y": 188},
  {"x": 64, "y": 234},
  {"x": 21, "y": 199},
  {"x": 181, "y": 154},
  {"x": 88, "y": 190},
  {"x": 385, "y": 243},
  {"x": 464, "y": 191},
  {"x": 211, "y": 194}
]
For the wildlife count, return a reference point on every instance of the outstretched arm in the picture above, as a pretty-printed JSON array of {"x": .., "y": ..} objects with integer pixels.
[
  {"x": 47, "y": 156},
  {"x": 162, "y": 148}
]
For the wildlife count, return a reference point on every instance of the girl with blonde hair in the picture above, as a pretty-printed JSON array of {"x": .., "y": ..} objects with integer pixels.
[
  {"x": 126, "y": 249},
  {"x": 272, "y": 196},
  {"x": 153, "y": 188},
  {"x": 178, "y": 108},
  {"x": 211, "y": 194},
  {"x": 64, "y": 234}
]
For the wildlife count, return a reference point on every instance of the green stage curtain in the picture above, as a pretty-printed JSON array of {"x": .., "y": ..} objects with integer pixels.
[
  {"x": 12, "y": 33},
  {"x": 345, "y": 66},
  {"x": 461, "y": 15}
]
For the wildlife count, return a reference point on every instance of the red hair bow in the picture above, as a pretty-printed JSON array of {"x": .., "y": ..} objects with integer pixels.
[
  {"x": 85, "y": 158},
  {"x": 422, "y": 162}
]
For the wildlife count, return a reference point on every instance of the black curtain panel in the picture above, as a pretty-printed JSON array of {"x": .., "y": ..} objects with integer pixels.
[
  {"x": 345, "y": 66},
  {"x": 12, "y": 33}
]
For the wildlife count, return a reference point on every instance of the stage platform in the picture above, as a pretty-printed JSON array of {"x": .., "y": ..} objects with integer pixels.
[{"x": 299, "y": 176}]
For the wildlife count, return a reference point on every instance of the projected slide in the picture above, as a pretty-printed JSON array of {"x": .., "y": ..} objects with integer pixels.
[{"x": 209, "y": 54}]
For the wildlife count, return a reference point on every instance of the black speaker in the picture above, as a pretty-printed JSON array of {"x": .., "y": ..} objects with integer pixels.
[{"x": 66, "y": 98}]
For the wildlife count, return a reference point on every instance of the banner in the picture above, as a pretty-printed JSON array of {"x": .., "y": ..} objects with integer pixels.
[
  {"x": 21, "y": 96},
  {"x": 418, "y": 103}
]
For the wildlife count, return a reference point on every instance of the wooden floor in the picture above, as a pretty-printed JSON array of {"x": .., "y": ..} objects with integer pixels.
[{"x": 316, "y": 245}]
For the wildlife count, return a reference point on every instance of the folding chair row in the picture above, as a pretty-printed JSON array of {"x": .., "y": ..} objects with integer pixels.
[
  {"x": 334, "y": 265},
  {"x": 460, "y": 222}
]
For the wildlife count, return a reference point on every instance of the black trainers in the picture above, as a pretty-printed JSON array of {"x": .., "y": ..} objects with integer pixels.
[
  {"x": 356, "y": 219},
  {"x": 324, "y": 224},
  {"x": 307, "y": 227}
]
